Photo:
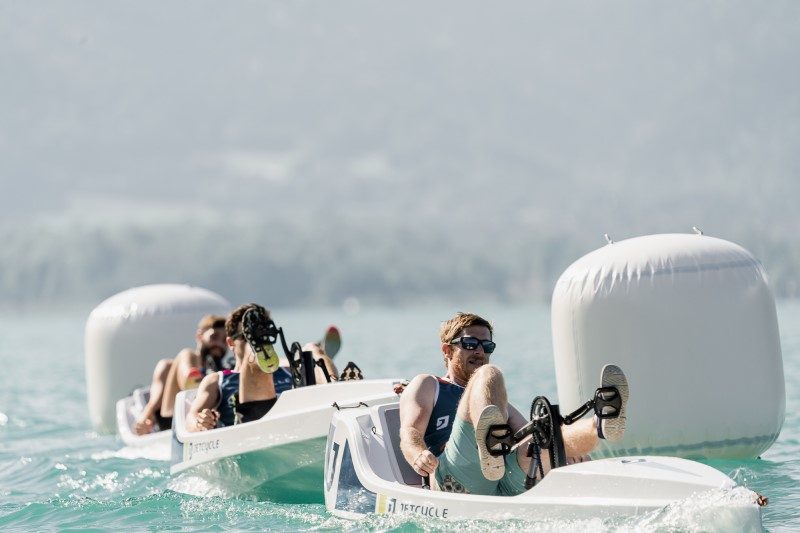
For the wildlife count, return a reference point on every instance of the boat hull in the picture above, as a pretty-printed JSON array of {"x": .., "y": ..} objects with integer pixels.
[
  {"x": 279, "y": 457},
  {"x": 288, "y": 473},
  {"x": 366, "y": 474}
]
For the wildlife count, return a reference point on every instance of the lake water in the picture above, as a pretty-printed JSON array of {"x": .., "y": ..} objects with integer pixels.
[{"x": 56, "y": 473}]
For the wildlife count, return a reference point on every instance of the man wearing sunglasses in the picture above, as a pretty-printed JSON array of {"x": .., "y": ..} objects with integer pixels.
[
  {"x": 247, "y": 392},
  {"x": 444, "y": 420}
]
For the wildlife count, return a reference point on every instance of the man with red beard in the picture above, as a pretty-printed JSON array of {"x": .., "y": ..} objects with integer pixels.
[
  {"x": 183, "y": 372},
  {"x": 444, "y": 420}
]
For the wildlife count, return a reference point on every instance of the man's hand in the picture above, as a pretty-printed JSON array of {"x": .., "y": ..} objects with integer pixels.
[
  {"x": 425, "y": 464},
  {"x": 206, "y": 419}
]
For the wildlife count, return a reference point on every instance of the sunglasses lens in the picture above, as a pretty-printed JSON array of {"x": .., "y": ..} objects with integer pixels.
[
  {"x": 469, "y": 343},
  {"x": 488, "y": 346}
]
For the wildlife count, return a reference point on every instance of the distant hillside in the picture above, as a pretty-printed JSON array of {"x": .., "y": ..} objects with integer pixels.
[{"x": 315, "y": 151}]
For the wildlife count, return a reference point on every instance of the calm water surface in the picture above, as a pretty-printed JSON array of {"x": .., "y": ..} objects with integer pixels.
[{"x": 57, "y": 474}]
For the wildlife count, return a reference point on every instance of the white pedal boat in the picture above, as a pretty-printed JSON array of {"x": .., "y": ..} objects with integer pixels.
[
  {"x": 279, "y": 457},
  {"x": 128, "y": 410},
  {"x": 365, "y": 473}
]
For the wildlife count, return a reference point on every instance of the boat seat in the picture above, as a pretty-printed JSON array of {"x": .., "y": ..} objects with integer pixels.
[
  {"x": 141, "y": 396},
  {"x": 389, "y": 420},
  {"x": 183, "y": 402}
]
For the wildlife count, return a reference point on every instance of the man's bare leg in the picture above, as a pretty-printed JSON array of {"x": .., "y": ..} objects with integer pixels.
[
  {"x": 180, "y": 378},
  {"x": 319, "y": 354},
  {"x": 485, "y": 387},
  {"x": 580, "y": 438},
  {"x": 146, "y": 421},
  {"x": 484, "y": 404},
  {"x": 171, "y": 389}
]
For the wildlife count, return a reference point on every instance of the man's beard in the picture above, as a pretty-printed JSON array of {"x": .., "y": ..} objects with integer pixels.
[
  {"x": 210, "y": 351},
  {"x": 461, "y": 371}
]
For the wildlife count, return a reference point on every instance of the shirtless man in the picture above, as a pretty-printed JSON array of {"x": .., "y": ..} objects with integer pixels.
[
  {"x": 444, "y": 421},
  {"x": 183, "y": 372},
  {"x": 245, "y": 393}
]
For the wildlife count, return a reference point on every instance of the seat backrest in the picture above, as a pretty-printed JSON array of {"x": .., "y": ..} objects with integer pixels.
[
  {"x": 183, "y": 402},
  {"x": 390, "y": 423},
  {"x": 141, "y": 396}
]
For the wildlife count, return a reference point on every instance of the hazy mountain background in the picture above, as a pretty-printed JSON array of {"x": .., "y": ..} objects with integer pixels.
[{"x": 309, "y": 152}]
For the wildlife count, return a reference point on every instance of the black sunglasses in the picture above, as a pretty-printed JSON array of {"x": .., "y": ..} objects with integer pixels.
[{"x": 472, "y": 343}]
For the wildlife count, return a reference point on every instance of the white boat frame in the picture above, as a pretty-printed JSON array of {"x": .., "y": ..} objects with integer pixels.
[{"x": 365, "y": 473}]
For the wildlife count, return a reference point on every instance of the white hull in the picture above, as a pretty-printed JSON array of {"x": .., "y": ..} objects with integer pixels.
[
  {"x": 280, "y": 456},
  {"x": 365, "y": 474}
]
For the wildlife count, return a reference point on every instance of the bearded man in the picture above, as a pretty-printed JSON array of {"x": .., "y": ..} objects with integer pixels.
[
  {"x": 183, "y": 372},
  {"x": 444, "y": 420}
]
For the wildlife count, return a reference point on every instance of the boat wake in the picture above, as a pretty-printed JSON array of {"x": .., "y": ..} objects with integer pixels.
[{"x": 158, "y": 451}]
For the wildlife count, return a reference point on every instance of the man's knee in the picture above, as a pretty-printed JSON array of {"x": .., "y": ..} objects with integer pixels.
[
  {"x": 486, "y": 386},
  {"x": 488, "y": 372},
  {"x": 162, "y": 367}
]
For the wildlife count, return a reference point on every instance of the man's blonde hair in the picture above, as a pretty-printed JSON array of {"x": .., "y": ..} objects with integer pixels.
[{"x": 450, "y": 328}]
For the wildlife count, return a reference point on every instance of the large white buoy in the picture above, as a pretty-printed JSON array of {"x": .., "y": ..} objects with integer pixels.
[
  {"x": 128, "y": 333},
  {"x": 692, "y": 322}
]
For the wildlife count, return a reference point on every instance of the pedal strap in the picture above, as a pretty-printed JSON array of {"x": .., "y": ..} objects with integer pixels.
[
  {"x": 499, "y": 440},
  {"x": 351, "y": 373},
  {"x": 607, "y": 403}
]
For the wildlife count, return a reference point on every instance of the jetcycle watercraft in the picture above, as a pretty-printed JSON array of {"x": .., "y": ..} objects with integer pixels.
[
  {"x": 279, "y": 456},
  {"x": 129, "y": 408},
  {"x": 366, "y": 473}
]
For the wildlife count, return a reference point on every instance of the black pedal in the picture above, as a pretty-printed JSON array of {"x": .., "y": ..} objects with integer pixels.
[
  {"x": 499, "y": 440},
  {"x": 607, "y": 397},
  {"x": 351, "y": 373}
]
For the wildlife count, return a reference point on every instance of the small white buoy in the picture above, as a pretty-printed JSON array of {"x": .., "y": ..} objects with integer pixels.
[{"x": 129, "y": 332}]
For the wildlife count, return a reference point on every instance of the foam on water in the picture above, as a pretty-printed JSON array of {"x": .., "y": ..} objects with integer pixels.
[
  {"x": 158, "y": 451},
  {"x": 197, "y": 486}
]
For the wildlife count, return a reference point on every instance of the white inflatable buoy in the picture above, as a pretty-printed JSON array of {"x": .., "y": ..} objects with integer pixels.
[
  {"x": 692, "y": 322},
  {"x": 128, "y": 333}
]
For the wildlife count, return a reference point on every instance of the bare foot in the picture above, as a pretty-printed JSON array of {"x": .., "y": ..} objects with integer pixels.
[
  {"x": 315, "y": 349},
  {"x": 143, "y": 427}
]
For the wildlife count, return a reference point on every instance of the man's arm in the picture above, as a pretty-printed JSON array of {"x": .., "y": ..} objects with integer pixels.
[
  {"x": 416, "y": 406},
  {"x": 202, "y": 414}
]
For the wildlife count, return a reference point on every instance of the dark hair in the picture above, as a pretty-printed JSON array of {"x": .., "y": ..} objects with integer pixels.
[{"x": 233, "y": 324}]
